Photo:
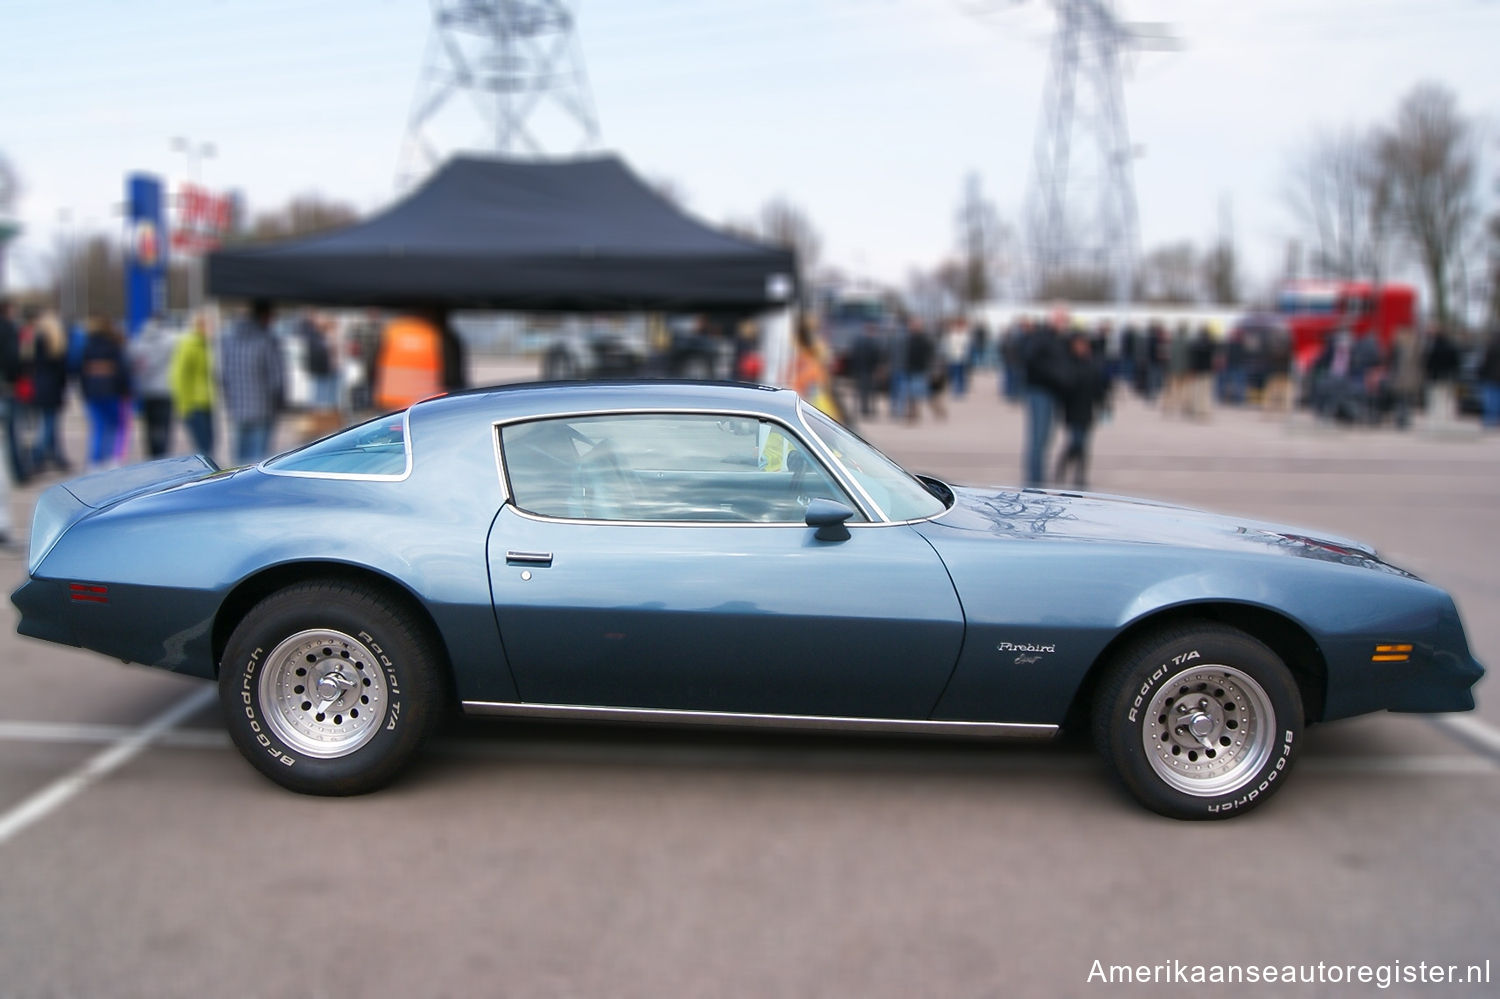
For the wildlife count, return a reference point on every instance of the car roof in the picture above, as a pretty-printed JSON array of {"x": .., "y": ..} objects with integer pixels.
[{"x": 518, "y": 401}]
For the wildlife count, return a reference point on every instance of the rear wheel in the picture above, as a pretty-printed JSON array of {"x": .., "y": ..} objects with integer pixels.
[
  {"x": 329, "y": 688},
  {"x": 1199, "y": 722}
]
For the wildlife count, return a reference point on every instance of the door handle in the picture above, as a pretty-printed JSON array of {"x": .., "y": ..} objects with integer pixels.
[{"x": 528, "y": 558}]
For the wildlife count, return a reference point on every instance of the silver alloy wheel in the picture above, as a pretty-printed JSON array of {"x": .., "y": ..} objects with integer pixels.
[
  {"x": 323, "y": 693},
  {"x": 1209, "y": 730}
]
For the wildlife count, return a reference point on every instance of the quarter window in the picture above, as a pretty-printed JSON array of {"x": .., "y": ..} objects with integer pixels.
[
  {"x": 663, "y": 467},
  {"x": 376, "y": 448}
]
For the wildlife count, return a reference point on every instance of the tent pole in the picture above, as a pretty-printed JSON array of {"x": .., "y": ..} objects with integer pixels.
[{"x": 776, "y": 345}]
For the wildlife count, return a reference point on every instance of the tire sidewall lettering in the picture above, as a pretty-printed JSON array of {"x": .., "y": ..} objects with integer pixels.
[
  {"x": 1151, "y": 682},
  {"x": 1137, "y": 697},
  {"x": 1276, "y": 768},
  {"x": 249, "y": 697},
  {"x": 250, "y": 703},
  {"x": 256, "y": 692}
]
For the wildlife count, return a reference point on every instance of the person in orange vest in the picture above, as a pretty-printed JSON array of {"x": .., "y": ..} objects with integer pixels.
[
  {"x": 420, "y": 357},
  {"x": 810, "y": 373}
]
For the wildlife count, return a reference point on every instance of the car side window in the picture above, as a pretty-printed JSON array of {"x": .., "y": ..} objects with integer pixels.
[
  {"x": 376, "y": 449},
  {"x": 663, "y": 467}
]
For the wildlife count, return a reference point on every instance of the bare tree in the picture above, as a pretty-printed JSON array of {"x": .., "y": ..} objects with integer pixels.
[
  {"x": 955, "y": 278},
  {"x": 1076, "y": 285},
  {"x": 929, "y": 294},
  {"x": 1170, "y": 274},
  {"x": 1334, "y": 192},
  {"x": 1493, "y": 271},
  {"x": 1428, "y": 171},
  {"x": 785, "y": 224},
  {"x": 95, "y": 267},
  {"x": 10, "y": 186},
  {"x": 303, "y": 215},
  {"x": 10, "y": 193},
  {"x": 982, "y": 241},
  {"x": 1221, "y": 275},
  {"x": 1221, "y": 264}
]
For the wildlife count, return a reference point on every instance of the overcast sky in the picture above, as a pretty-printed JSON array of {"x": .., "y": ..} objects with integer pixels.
[{"x": 868, "y": 113}]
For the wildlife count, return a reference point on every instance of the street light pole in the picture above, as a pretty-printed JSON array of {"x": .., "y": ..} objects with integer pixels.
[
  {"x": 66, "y": 302},
  {"x": 196, "y": 153}
]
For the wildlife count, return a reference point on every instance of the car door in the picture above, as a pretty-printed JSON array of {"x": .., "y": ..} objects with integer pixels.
[{"x": 661, "y": 561}]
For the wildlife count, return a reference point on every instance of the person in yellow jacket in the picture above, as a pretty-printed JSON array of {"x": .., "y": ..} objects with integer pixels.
[{"x": 191, "y": 380}]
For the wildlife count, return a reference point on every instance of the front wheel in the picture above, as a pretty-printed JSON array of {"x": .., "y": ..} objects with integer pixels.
[
  {"x": 329, "y": 688},
  {"x": 1199, "y": 722}
]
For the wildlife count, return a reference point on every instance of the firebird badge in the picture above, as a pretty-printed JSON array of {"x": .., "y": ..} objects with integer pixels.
[{"x": 1026, "y": 654}]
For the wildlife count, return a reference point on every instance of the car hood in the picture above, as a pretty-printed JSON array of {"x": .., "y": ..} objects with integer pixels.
[{"x": 1044, "y": 514}]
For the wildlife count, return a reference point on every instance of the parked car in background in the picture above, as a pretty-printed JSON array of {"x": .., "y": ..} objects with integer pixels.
[
  {"x": 842, "y": 318},
  {"x": 636, "y": 346}
]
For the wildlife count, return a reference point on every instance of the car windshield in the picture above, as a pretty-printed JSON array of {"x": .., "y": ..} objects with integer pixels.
[
  {"x": 896, "y": 491},
  {"x": 374, "y": 448}
]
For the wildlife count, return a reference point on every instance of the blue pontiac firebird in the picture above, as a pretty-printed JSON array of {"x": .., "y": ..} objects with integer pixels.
[{"x": 715, "y": 554}]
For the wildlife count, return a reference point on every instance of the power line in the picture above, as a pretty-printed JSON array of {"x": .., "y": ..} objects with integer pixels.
[
  {"x": 516, "y": 61},
  {"x": 1084, "y": 98}
]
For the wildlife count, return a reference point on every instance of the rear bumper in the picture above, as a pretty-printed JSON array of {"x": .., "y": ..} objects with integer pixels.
[
  {"x": 165, "y": 627},
  {"x": 34, "y": 599}
]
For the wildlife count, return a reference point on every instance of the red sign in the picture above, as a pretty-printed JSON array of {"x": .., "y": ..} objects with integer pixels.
[{"x": 202, "y": 218}]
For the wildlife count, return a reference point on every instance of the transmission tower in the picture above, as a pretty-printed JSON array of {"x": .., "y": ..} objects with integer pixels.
[
  {"x": 515, "y": 62},
  {"x": 1082, "y": 209}
]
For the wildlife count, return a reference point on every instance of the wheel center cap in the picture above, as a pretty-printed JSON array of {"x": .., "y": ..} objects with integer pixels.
[
  {"x": 1201, "y": 725},
  {"x": 331, "y": 685}
]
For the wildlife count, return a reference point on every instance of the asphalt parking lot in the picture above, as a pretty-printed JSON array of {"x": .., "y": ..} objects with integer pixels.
[{"x": 142, "y": 857}]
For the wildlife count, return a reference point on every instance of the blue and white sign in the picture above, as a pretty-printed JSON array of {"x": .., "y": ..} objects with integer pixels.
[{"x": 145, "y": 251}]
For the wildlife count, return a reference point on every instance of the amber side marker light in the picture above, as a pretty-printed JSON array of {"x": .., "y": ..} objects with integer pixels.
[{"x": 1391, "y": 654}]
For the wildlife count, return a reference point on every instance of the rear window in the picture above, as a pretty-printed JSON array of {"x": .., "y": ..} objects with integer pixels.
[{"x": 376, "y": 448}]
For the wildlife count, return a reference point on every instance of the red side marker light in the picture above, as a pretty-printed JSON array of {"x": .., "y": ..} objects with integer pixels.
[{"x": 88, "y": 593}]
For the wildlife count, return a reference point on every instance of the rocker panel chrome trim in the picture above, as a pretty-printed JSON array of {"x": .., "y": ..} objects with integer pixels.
[{"x": 813, "y": 723}]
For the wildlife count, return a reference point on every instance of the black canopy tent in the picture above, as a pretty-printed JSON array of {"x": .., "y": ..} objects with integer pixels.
[{"x": 583, "y": 235}]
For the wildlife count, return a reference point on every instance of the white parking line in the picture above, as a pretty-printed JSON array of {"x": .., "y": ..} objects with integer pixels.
[
  {"x": 56, "y": 794},
  {"x": 83, "y": 734},
  {"x": 1474, "y": 731},
  {"x": 1435, "y": 765}
]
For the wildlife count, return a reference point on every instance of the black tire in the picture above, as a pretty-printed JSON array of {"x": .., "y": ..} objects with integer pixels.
[
  {"x": 279, "y": 670},
  {"x": 1233, "y": 721}
]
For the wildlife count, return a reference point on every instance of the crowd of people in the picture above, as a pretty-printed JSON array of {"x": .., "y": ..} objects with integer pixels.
[
  {"x": 198, "y": 377},
  {"x": 1063, "y": 375}
]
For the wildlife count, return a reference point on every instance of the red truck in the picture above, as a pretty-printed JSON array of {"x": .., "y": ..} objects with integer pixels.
[{"x": 1314, "y": 309}]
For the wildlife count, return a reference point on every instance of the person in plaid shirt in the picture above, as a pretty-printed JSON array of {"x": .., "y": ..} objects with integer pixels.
[{"x": 250, "y": 374}]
